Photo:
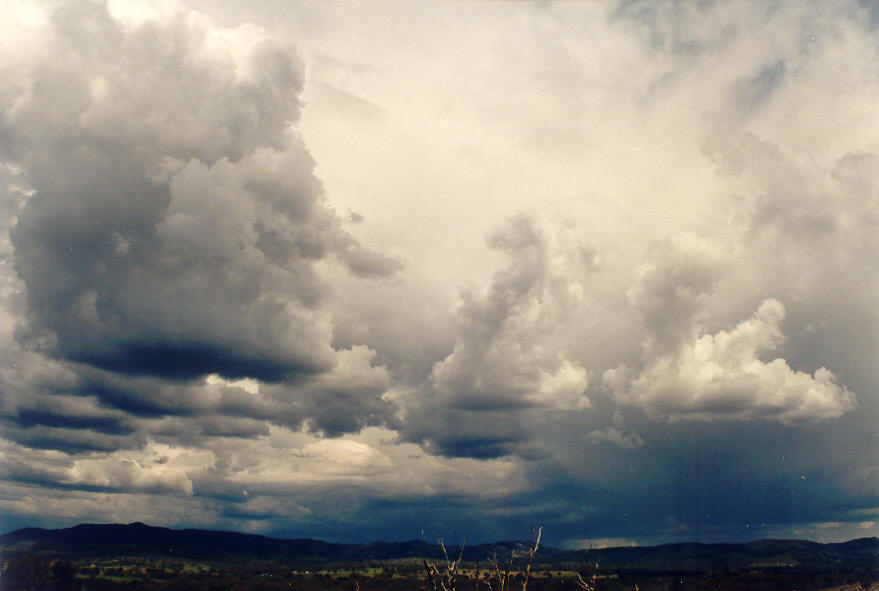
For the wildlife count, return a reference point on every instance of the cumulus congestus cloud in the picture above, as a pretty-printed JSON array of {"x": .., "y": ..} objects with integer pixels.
[
  {"x": 722, "y": 376},
  {"x": 505, "y": 366},
  {"x": 173, "y": 224},
  {"x": 691, "y": 374}
]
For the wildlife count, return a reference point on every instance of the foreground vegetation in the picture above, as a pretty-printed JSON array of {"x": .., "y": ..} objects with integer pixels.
[{"x": 33, "y": 573}]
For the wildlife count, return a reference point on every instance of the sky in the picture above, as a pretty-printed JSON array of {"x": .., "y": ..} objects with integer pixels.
[{"x": 362, "y": 270}]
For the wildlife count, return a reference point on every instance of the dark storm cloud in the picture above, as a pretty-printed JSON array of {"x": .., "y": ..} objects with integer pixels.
[
  {"x": 344, "y": 399},
  {"x": 812, "y": 234},
  {"x": 72, "y": 440},
  {"x": 167, "y": 227},
  {"x": 176, "y": 219},
  {"x": 724, "y": 479},
  {"x": 49, "y": 418},
  {"x": 482, "y": 434}
]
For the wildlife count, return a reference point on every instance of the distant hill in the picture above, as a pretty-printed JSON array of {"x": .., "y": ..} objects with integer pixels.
[
  {"x": 862, "y": 553},
  {"x": 138, "y": 539}
]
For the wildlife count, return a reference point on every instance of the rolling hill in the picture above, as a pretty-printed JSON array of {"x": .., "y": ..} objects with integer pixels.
[{"x": 138, "y": 539}]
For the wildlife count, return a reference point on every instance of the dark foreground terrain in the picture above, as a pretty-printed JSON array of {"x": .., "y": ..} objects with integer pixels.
[
  {"x": 138, "y": 557},
  {"x": 141, "y": 574}
]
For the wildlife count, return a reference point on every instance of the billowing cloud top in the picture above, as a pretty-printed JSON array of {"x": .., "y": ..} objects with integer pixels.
[
  {"x": 638, "y": 298},
  {"x": 176, "y": 220}
]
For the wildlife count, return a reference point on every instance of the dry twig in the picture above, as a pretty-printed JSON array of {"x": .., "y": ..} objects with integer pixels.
[{"x": 444, "y": 577}]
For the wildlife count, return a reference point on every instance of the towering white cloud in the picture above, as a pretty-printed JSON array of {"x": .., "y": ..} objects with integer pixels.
[
  {"x": 504, "y": 364},
  {"x": 723, "y": 376}
]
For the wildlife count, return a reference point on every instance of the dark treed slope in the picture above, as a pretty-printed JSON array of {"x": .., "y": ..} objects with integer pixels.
[{"x": 137, "y": 539}]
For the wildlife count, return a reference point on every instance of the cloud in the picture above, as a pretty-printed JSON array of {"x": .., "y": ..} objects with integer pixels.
[
  {"x": 616, "y": 437},
  {"x": 155, "y": 467},
  {"x": 190, "y": 332},
  {"x": 503, "y": 364},
  {"x": 498, "y": 360},
  {"x": 721, "y": 376},
  {"x": 680, "y": 276},
  {"x": 176, "y": 221},
  {"x": 168, "y": 232},
  {"x": 225, "y": 482},
  {"x": 344, "y": 400}
]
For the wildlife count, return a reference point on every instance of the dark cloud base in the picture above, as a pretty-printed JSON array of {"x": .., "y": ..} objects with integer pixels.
[{"x": 187, "y": 361}]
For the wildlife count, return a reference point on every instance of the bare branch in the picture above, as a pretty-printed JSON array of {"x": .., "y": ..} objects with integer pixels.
[
  {"x": 586, "y": 585},
  {"x": 532, "y": 550},
  {"x": 444, "y": 578}
]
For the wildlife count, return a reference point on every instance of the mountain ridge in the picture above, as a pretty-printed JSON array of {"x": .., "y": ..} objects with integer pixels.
[{"x": 139, "y": 539}]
